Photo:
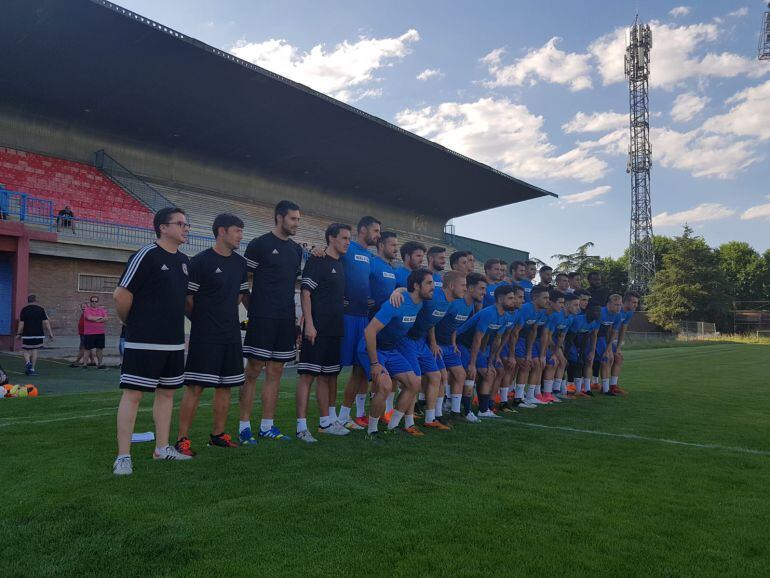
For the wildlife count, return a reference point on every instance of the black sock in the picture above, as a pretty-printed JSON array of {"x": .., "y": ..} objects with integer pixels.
[
  {"x": 483, "y": 402},
  {"x": 466, "y": 404}
]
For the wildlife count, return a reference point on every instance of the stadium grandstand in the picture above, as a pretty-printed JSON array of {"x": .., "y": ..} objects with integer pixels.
[{"x": 114, "y": 116}]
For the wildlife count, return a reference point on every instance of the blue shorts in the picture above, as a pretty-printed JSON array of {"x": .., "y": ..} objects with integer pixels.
[
  {"x": 393, "y": 362},
  {"x": 601, "y": 349},
  {"x": 354, "y": 332},
  {"x": 465, "y": 356},
  {"x": 572, "y": 354},
  {"x": 450, "y": 358},
  {"x": 521, "y": 348},
  {"x": 418, "y": 354}
]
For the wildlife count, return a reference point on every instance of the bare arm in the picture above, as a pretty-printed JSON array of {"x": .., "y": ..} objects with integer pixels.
[
  {"x": 123, "y": 301},
  {"x": 20, "y": 329},
  {"x": 307, "y": 315},
  {"x": 47, "y": 326},
  {"x": 188, "y": 305}
]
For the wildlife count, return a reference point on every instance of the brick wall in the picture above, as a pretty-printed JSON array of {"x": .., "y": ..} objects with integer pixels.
[{"x": 55, "y": 282}]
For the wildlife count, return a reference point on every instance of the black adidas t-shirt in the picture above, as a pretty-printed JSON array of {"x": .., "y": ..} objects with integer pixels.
[
  {"x": 275, "y": 264},
  {"x": 216, "y": 282},
  {"x": 158, "y": 280},
  {"x": 33, "y": 316},
  {"x": 324, "y": 277}
]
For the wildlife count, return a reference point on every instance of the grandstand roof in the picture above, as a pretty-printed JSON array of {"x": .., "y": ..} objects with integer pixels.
[{"x": 95, "y": 63}]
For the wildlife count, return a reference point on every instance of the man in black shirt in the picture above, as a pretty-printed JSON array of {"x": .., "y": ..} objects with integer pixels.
[
  {"x": 218, "y": 284},
  {"x": 150, "y": 300},
  {"x": 32, "y": 320},
  {"x": 270, "y": 341},
  {"x": 323, "y": 310},
  {"x": 65, "y": 219},
  {"x": 599, "y": 294}
]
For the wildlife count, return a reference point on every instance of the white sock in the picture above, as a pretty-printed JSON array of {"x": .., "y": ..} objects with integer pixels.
[
  {"x": 265, "y": 424},
  {"x": 161, "y": 450},
  {"x": 301, "y": 424},
  {"x": 126, "y": 455},
  {"x": 531, "y": 392},
  {"x": 242, "y": 425},
  {"x": 389, "y": 402},
  {"x": 440, "y": 406},
  {"x": 430, "y": 415},
  {"x": 586, "y": 384},
  {"x": 332, "y": 413},
  {"x": 421, "y": 396},
  {"x": 395, "y": 419},
  {"x": 557, "y": 385},
  {"x": 539, "y": 389},
  {"x": 409, "y": 420},
  {"x": 548, "y": 386},
  {"x": 613, "y": 380},
  {"x": 456, "y": 401},
  {"x": 344, "y": 416},
  {"x": 578, "y": 384},
  {"x": 520, "y": 387},
  {"x": 605, "y": 385},
  {"x": 360, "y": 404},
  {"x": 373, "y": 422},
  {"x": 504, "y": 394},
  {"x": 447, "y": 390},
  {"x": 325, "y": 421}
]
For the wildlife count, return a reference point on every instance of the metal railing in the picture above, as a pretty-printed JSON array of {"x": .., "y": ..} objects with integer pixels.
[
  {"x": 129, "y": 182},
  {"x": 21, "y": 207}
]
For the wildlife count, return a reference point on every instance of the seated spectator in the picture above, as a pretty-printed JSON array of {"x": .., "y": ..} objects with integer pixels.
[{"x": 65, "y": 219}]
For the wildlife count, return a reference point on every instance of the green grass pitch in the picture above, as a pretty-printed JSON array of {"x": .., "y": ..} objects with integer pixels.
[{"x": 671, "y": 480}]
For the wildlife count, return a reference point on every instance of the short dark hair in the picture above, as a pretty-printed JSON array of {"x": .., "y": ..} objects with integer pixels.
[
  {"x": 560, "y": 275},
  {"x": 581, "y": 293},
  {"x": 31, "y": 298},
  {"x": 162, "y": 216},
  {"x": 571, "y": 297},
  {"x": 630, "y": 294},
  {"x": 573, "y": 274},
  {"x": 489, "y": 263},
  {"x": 537, "y": 290},
  {"x": 528, "y": 263},
  {"x": 384, "y": 236},
  {"x": 593, "y": 274},
  {"x": 456, "y": 256},
  {"x": 410, "y": 247},
  {"x": 555, "y": 294},
  {"x": 515, "y": 265},
  {"x": 435, "y": 250},
  {"x": 545, "y": 268},
  {"x": 517, "y": 288},
  {"x": 334, "y": 229},
  {"x": 225, "y": 220},
  {"x": 283, "y": 208},
  {"x": 473, "y": 279},
  {"x": 503, "y": 290},
  {"x": 367, "y": 222},
  {"x": 416, "y": 277}
]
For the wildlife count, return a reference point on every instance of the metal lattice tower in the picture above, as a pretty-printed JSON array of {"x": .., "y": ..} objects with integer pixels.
[
  {"x": 641, "y": 263},
  {"x": 764, "y": 36}
]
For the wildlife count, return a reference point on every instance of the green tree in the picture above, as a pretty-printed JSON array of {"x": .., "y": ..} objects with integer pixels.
[
  {"x": 744, "y": 269},
  {"x": 579, "y": 261},
  {"x": 614, "y": 274},
  {"x": 689, "y": 285}
]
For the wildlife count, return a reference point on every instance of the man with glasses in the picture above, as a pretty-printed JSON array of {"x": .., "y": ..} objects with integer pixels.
[
  {"x": 150, "y": 300},
  {"x": 94, "y": 319}
]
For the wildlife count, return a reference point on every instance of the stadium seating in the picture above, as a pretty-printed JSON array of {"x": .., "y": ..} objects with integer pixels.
[{"x": 84, "y": 188}]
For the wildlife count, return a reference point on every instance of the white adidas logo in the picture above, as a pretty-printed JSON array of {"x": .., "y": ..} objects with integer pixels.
[
  {"x": 334, "y": 270},
  {"x": 275, "y": 251},
  {"x": 218, "y": 270},
  {"x": 164, "y": 268}
]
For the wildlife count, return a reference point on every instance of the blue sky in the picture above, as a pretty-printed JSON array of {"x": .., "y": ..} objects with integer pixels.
[{"x": 536, "y": 89}]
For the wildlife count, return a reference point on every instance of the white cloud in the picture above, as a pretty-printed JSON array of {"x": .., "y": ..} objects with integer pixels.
[
  {"x": 547, "y": 63},
  {"x": 687, "y": 106},
  {"x": 595, "y": 122},
  {"x": 679, "y": 11},
  {"x": 429, "y": 73},
  {"x": 502, "y": 134},
  {"x": 586, "y": 196},
  {"x": 677, "y": 55},
  {"x": 740, "y": 13},
  {"x": 700, "y": 214},
  {"x": 749, "y": 115},
  {"x": 342, "y": 72},
  {"x": 757, "y": 212}
]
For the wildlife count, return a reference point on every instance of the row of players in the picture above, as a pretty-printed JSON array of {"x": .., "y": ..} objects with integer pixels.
[{"x": 435, "y": 335}]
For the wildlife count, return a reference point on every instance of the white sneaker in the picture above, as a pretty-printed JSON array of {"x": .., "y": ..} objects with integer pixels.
[
  {"x": 123, "y": 466},
  {"x": 335, "y": 429},
  {"x": 527, "y": 405},
  {"x": 471, "y": 417},
  {"x": 306, "y": 437},
  {"x": 490, "y": 413},
  {"x": 536, "y": 401},
  {"x": 169, "y": 453},
  {"x": 350, "y": 424}
]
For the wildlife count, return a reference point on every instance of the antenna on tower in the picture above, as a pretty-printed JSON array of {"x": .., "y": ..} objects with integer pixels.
[
  {"x": 764, "y": 36},
  {"x": 641, "y": 263}
]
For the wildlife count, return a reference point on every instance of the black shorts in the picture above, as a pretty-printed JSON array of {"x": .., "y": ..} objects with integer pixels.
[
  {"x": 151, "y": 369},
  {"x": 82, "y": 341},
  {"x": 214, "y": 364},
  {"x": 32, "y": 342},
  {"x": 93, "y": 341},
  {"x": 320, "y": 358},
  {"x": 271, "y": 340}
]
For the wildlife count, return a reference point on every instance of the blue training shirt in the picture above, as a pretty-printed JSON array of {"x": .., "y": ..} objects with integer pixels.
[
  {"x": 357, "y": 268},
  {"x": 382, "y": 280},
  {"x": 456, "y": 314},
  {"x": 581, "y": 325},
  {"x": 526, "y": 284},
  {"x": 530, "y": 317},
  {"x": 559, "y": 323},
  {"x": 487, "y": 321},
  {"x": 607, "y": 320},
  {"x": 624, "y": 318},
  {"x": 489, "y": 296},
  {"x": 397, "y": 321},
  {"x": 402, "y": 274}
]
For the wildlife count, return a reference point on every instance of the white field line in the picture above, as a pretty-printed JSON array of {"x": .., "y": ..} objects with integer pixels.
[{"x": 640, "y": 438}]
